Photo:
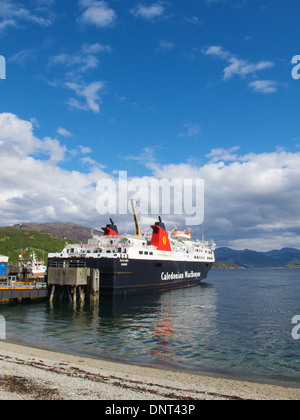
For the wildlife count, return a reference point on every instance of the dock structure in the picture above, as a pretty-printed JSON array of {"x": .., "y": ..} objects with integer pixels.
[
  {"x": 73, "y": 282},
  {"x": 18, "y": 285},
  {"x": 12, "y": 291}
]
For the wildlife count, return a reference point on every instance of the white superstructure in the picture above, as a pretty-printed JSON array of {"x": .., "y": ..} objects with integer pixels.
[{"x": 129, "y": 246}]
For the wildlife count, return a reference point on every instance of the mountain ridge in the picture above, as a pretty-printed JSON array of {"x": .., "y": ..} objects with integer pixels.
[{"x": 250, "y": 258}]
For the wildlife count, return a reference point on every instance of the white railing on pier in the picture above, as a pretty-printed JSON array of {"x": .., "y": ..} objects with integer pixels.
[{"x": 23, "y": 285}]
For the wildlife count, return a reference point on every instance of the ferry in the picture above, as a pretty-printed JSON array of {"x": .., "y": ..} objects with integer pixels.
[{"x": 139, "y": 263}]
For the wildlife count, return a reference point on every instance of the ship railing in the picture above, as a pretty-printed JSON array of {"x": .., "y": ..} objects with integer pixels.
[
  {"x": 23, "y": 285},
  {"x": 67, "y": 264}
]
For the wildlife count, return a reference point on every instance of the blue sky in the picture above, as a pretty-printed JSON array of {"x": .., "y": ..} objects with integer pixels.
[{"x": 194, "y": 88}]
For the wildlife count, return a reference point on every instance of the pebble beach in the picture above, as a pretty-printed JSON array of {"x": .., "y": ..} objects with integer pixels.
[{"x": 28, "y": 373}]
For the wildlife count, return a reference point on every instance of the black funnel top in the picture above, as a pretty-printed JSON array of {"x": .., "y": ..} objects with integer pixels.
[{"x": 160, "y": 224}]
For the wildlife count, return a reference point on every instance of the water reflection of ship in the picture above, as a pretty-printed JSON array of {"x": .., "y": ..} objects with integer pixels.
[
  {"x": 147, "y": 321},
  {"x": 158, "y": 330},
  {"x": 163, "y": 332},
  {"x": 131, "y": 306},
  {"x": 160, "y": 325}
]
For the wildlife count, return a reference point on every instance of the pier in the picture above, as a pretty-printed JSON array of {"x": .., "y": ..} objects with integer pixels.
[
  {"x": 73, "y": 282},
  {"x": 12, "y": 291},
  {"x": 20, "y": 282}
]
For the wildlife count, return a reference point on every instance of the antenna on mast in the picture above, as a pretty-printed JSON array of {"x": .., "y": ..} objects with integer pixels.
[{"x": 137, "y": 227}]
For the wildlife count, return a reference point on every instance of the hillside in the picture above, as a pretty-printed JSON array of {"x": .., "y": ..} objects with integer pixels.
[
  {"x": 249, "y": 258},
  {"x": 13, "y": 241},
  {"x": 58, "y": 230},
  {"x": 41, "y": 238}
]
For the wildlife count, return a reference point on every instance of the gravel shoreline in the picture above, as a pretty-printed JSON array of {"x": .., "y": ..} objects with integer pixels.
[{"x": 28, "y": 373}]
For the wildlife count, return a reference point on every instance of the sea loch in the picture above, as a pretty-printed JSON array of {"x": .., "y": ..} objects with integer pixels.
[{"x": 238, "y": 323}]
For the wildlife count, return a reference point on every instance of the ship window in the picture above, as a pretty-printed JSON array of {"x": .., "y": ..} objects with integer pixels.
[
  {"x": 146, "y": 252},
  {"x": 151, "y": 253},
  {"x": 140, "y": 252}
]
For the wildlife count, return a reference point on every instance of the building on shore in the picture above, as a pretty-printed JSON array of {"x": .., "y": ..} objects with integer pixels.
[{"x": 3, "y": 265}]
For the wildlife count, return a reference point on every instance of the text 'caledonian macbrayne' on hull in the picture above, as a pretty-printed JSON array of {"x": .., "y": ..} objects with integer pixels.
[{"x": 128, "y": 264}]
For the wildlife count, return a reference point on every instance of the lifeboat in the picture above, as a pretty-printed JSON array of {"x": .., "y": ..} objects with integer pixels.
[{"x": 181, "y": 235}]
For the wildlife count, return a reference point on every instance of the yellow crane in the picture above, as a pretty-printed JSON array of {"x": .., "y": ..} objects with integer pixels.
[{"x": 137, "y": 227}]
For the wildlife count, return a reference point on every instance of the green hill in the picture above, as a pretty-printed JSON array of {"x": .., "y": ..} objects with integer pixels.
[{"x": 13, "y": 241}]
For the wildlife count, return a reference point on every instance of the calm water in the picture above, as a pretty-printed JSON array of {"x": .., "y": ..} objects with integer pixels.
[{"x": 237, "y": 323}]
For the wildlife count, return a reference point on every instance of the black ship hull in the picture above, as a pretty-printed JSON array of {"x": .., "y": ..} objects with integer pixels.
[
  {"x": 140, "y": 276},
  {"x": 133, "y": 276}
]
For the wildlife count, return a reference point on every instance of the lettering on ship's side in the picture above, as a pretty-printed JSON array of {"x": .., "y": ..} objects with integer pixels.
[{"x": 180, "y": 276}]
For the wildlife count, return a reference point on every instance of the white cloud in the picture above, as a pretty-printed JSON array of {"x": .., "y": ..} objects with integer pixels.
[
  {"x": 251, "y": 201},
  {"x": 165, "y": 46},
  {"x": 264, "y": 86},
  {"x": 89, "y": 93},
  {"x": 21, "y": 57},
  {"x": 97, "y": 13},
  {"x": 194, "y": 19},
  {"x": 85, "y": 150},
  {"x": 18, "y": 133},
  {"x": 6, "y": 23},
  {"x": 248, "y": 199},
  {"x": 218, "y": 51},
  {"x": 95, "y": 48},
  {"x": 242, "y": 68},
  {"x": 146, "y": 157},
  {"x": 54, "y": 149},
  {"x": 34, "y": 189},
  {"x": 237, "y": 66},
  {"x": 149, "y": 13},
  {"x": 15, "y": 14},
  {"x": 64, "y": 132},
  {"x": 77, "y": 64},
  {"x": 80, "y": 61},
  {"x": 191, "y": 130},
  {"x": 219, "y": 155},
  {"x": 16, "y": 136}
]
